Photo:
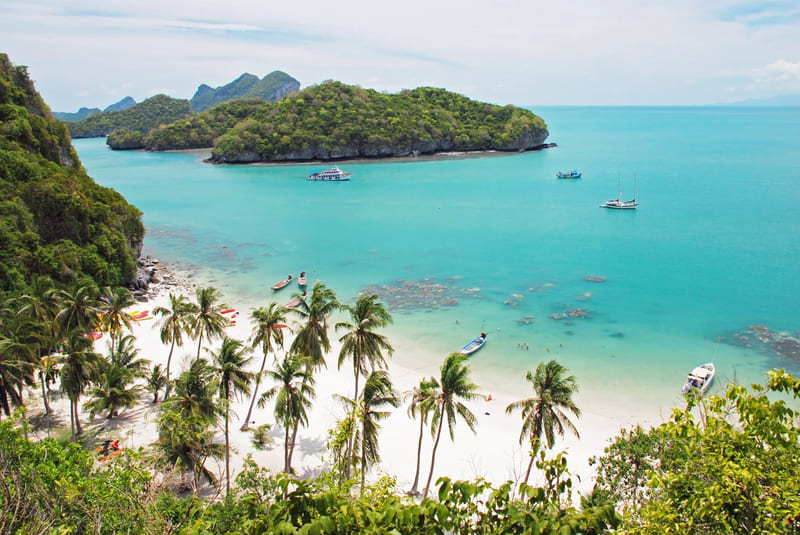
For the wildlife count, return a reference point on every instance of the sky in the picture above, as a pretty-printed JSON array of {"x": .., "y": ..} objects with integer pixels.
[{"x": 527, "y": 53}]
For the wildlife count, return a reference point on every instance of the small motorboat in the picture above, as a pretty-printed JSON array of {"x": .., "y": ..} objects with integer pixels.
[
  {"x": 283, "y": 284},
  {"x": 569, "y": 174},
  {"x": 301, "y": 280},
  {"x": 700, "y": 379},
  {"x": 473, "y": 345}
]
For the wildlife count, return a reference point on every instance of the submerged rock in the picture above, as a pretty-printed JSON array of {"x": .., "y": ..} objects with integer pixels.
[
  {"x": 783, "y": 344},
  {"x": 423, "y": 294}
]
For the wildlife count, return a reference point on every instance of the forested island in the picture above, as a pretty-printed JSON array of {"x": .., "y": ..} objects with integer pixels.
[{"x": 333, "y": 121}]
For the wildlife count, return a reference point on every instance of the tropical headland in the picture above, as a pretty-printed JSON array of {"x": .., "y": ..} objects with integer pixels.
[{"x": 97, "y": 435}]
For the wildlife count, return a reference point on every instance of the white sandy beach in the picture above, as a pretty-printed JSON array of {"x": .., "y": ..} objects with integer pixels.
[{"x": 492, "y": 453}]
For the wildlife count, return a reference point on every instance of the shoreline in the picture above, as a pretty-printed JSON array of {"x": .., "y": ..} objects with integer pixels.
[{"x": 492, "y": 453}]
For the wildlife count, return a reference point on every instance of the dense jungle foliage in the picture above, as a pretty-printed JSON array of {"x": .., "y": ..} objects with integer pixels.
[
  {"x": 334, "y": 120},
  {"x": 54, "y": 219},
  {"x": 141, "y": 117},
  {"x": 273, "y": 86}
]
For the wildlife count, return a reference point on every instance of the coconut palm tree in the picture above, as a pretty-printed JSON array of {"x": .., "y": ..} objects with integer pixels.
[
  {"x": 79, "y": 367},
  {"x": 174, "y": 322},
  {"x": 207, "y": 319},
  {"x": 15, "y": 366},
  {"x": 113, "y": 303},
  {"x": 293, "y": 393},
  {"x": 194, "y": 394},
  {"x": 362, "y": 344},
  {"x": 42, "y": 303},
  {"x": 156, "y": 381},
  {"x": 378, "y": 393},
  {"x": 229, "y": 365},
  {"x": 544, "y": 414},
  {"x": 113, "y": 390},
  {"x": 80, "y": 308},
  {"x": 312, "y": 337},
  {"x": 422, "y": 401},
  {"x": 454, "y": 384},
  {"x": 268, "y": 325},
  {"x": 122, "y": 353}
]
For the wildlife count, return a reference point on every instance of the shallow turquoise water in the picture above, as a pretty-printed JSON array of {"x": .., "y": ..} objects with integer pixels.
[{"x": 712, "y": 249}]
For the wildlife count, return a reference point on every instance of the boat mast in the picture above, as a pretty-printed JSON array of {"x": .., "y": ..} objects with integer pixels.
[{"x": 619, "y": 177}]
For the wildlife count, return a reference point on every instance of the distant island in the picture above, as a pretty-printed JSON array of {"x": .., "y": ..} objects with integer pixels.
[
  {"x": 162, "y": 109},
  {"x": 334, "y": 121}
]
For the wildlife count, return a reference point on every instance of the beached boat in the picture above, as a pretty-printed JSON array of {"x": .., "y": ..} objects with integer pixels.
[
  {"x": 334, "y": 174},
  {"x": 283, "y": 284},
  {"x": 700, "y": 379},
  {"x": 569, "y": 174},
  {"x": 473, "y": 345},
  {"x": 301, "y": 280},
  {"x": 295, "y": 301},
  {"x": 618, "y": 203}
]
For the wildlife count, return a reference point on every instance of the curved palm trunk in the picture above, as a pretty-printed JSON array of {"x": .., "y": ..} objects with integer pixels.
[
  {"x": 169, "y": 360},
  {"x": 433, "y": 454},
  {"x": 78, "y": 428},
  {"x": 72, "y": 419},
  {"x": 530, "y": 465},
  {"x": 246, "y": 424},
  {"x": 414, "y": 490}
]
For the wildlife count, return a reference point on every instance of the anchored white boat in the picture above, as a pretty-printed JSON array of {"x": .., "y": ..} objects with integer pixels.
[
  {"x": 700, "y": 379},
  {"x": 618, "y": 203},
  {"x": 334, "y": 174},
  {"x": 473, "y": 345}
]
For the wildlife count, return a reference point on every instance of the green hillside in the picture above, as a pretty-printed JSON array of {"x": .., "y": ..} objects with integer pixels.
[
  {"x": 142, "y": 117},
  {"x": 334, "y": 120},
  {"x": 54, "y": 219}
]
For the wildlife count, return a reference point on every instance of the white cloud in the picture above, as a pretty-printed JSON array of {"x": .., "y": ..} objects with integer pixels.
[{"x": 508, "y": 51}]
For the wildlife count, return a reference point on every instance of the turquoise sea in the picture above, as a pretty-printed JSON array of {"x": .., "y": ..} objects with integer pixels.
[{"x": 496, "y": 243}]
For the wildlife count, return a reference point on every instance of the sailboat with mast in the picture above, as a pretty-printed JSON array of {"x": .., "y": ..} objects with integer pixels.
[{"x": 618, "y": 203}]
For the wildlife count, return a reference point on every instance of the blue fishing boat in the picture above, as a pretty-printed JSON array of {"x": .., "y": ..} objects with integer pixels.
[
  {"x": 569, "y": 174},
  {"x": 473, "y": 345}
]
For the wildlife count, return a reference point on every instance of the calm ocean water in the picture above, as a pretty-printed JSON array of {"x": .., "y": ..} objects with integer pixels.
[{"x": 497, "y": 244}]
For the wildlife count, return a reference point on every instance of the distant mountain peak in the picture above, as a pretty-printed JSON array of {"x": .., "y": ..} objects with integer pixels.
[{"x": 272, "y": 86}]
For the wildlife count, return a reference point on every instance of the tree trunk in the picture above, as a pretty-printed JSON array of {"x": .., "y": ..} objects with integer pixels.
[
  {"x": 414, "y": 490},
  {"x": 227, "y": 451},
  {"x": 352, "y": 425},
  {"x": 286, "y": 450},
  {"x": 199, "y": 344},
  {"x": 294, "y": 439},
  {"x": 72, "y": 419},
  {"x": 433, "y": 454},
  {"x": 530, "y": 465},
  {"x": 363, "y": 456},
  {"x": 246, "y": 424},
  {"x": 44, "y": 394},
  {"x": 169, "y": 360},
  {"x": 78, "y": 428}
]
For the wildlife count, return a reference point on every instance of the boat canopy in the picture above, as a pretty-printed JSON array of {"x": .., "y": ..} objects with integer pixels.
[{"x": 701, "y": 372}]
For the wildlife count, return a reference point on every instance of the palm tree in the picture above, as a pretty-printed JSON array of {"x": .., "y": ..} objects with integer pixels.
[
  {"x": 80, "y": 308},
  {"x": 363, "y": 344},
  {"x": 312, "y": 338},
  {"x": 79, "y": 367},
  {"x": 156, "y": 381},
  {"x": 378, "y": 393},
  {"x": 422, "y": 402},
  {"x": 293, "y": 394},
  {"x": 122, "y": 353},
  {"x": 454, "y": 384},
  {"x": 230, "y": 365},
  {"x": 194, "y": 394},
  {"x": 268, "y": 324},
  {"x": 207, "y": 319},
  {"x": 14, "y": 367},
  {"x": 42, "y": 303},
  {"x": 113, "y": 390},
  {"x": 174, "y": 323},
  {"x": 112, "y": 307},
  {"x": 544, "y": 414}
]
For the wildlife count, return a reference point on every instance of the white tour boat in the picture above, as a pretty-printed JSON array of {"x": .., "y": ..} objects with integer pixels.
[{"x": 334, "y": 174}]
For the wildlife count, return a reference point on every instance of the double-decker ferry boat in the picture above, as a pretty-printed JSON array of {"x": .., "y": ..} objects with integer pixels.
[{"x": 334, "y": 174}]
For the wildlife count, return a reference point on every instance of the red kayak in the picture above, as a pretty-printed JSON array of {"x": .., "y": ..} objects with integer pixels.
[{"x": 283, "y": 284}]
